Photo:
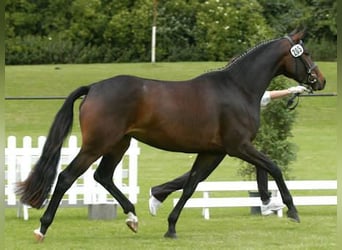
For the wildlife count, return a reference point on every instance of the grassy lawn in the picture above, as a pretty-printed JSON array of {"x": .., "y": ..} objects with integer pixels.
[
  {"x": 314, "y": 133},
  {"x": 227, "y": 229}
]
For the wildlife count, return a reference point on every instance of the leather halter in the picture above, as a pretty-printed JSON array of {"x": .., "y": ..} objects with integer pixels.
[{"x": 311, "y": 78}]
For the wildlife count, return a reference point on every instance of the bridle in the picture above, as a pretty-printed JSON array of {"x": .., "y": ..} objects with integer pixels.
[{"x": 297, "y": 51}]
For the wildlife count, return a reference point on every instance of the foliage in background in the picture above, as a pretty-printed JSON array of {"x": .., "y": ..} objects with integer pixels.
[
  {"x": 209, "y": 30},
  {"x": 85, "y": 31},
  {"x": 319, "y": 17},
  {"x": 226, "y": 28},
  {"x": 276, "y": 122}
]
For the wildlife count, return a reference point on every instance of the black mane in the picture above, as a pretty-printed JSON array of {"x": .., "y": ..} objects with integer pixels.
[{"x": 236, "y": 59}]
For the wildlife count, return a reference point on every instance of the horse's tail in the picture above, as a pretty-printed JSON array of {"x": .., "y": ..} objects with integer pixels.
[{"x": 35, "y": 189}]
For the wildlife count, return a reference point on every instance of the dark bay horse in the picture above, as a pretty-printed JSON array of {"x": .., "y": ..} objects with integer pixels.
[{"x": 215, "y": 114}]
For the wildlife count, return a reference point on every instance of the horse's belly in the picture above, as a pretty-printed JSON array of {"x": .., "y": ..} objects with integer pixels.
[{"x": 179, "y": 142}]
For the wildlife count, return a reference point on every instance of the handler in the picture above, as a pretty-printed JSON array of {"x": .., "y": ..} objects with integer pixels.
[{"x": 159, "y": 193}]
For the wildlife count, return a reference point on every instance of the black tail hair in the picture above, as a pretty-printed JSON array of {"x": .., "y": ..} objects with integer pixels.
[{"x": 35, "y": 189}]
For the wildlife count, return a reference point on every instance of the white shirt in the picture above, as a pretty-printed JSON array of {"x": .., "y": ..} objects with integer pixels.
[{"x": 265, "y": 99}]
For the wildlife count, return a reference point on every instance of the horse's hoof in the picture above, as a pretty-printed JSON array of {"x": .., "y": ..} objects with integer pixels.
[
  {"x": 132, "y": 225},
  {"x": 170, "y": 235},
  {"x": 293, "y": 216},
  {"x": 132, "y": 222},
  {"x": 38, "y": 235}
]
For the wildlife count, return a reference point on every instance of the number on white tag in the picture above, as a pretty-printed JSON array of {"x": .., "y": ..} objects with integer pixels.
[{"x": 297, "y": 50}]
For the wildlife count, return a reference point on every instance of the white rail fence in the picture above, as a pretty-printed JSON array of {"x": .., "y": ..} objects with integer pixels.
[
  {"x": 85, "y": 191},
  {"x": 214, "y": 194}
]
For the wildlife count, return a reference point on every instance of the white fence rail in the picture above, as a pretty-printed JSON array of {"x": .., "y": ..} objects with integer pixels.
[
  {"x": 20, "y": 160},
  {"x": 311, "y": 198}
]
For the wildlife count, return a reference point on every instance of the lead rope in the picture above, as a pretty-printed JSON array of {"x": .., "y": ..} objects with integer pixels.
[{"x": 290, "y": 106}]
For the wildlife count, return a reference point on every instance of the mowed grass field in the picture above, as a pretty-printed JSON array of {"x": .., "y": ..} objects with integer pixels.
[{"x": 314, "y": 133}]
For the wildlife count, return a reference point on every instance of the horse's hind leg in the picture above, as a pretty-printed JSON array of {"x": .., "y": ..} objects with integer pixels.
[
  {"x": 203, "y": 166},
  {"x": 104, "y": 176},
  {"x": 65, "y": 179}
]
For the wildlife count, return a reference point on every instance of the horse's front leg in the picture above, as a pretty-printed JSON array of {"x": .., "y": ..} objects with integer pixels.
[
  {"x": 248, "y": 153},
  {"x": 203, "y": 166}
]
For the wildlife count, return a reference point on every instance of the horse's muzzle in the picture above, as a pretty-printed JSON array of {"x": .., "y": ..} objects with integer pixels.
[
  {"x": 316, "y": 83},
  {"x": 320, "y": 84}
]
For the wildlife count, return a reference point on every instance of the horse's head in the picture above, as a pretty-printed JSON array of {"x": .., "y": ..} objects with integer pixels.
[{"x": 298, "y": 63}]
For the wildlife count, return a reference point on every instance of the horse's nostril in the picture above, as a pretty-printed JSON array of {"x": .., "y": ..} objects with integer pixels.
[{"x": 323, "y": 84}]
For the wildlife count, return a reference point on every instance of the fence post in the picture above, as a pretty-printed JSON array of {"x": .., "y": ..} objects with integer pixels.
[
  {"x": 11, "y": 156},
  {"x": 25, "y": 168}
]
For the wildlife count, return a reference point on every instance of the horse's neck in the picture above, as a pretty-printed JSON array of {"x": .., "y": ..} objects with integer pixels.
[{"x": 254, "y": 73}]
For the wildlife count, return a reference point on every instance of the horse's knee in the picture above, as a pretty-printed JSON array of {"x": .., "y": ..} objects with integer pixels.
[
  {"x": 101, "y": 178},
  {"x": 97, "y": 176},
  {"x": 64, "y": 181},
  {"x": 275, "y": 172}
]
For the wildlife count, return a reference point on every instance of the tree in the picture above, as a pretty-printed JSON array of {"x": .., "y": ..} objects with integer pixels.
[
  {"x": 283, "y": 16},
  {"x": 86, "y": 31},
  {"x": 322, "y": 21},
  {"x": 21, "y": 18},
  {"x": 226, "y": 28},
  {"x": 128, "y": 32},
  {"x": 176, "y": 25},
  {"x": 322, "y": 29},
  {"x": 209, "y": 30},
  {"x": 318, "y": 16}
]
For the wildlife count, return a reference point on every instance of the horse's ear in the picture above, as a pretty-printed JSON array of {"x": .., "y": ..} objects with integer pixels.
[{"x": 298, "y": 34}]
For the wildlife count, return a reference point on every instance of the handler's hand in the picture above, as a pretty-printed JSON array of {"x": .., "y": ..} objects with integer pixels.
[{"x": 297, "y": 90}]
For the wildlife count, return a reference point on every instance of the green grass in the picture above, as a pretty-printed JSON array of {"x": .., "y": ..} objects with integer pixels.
[
  {"x": 314, "y": 133},
  {"x": 227, "y": 229}
]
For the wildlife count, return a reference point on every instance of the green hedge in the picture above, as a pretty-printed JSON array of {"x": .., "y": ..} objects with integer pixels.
[{"x": 60, "y": 31}]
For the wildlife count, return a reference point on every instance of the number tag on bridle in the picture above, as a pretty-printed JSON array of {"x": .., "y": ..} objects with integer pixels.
[{"x": 297, "y": 50}]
